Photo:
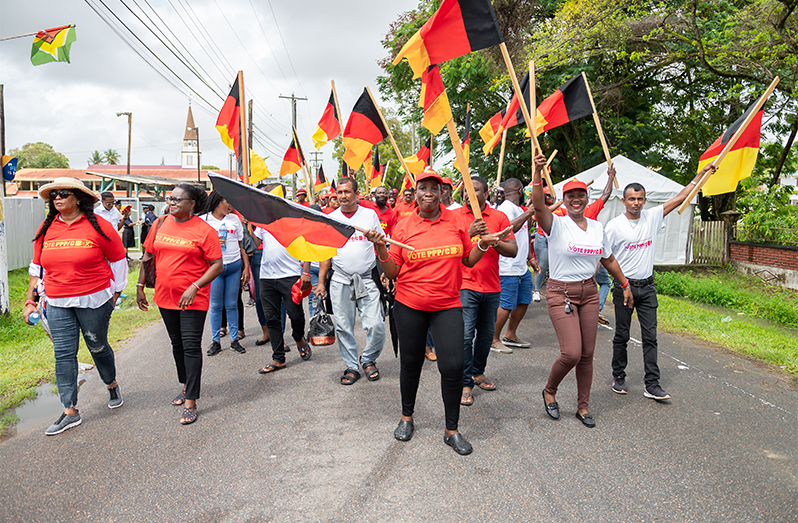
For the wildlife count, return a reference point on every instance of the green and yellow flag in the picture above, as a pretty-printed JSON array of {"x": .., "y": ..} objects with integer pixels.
[{"x": 52, "y": 45}]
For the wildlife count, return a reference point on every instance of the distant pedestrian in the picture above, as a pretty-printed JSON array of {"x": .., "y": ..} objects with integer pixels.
[{"x": 108, "y": 211}]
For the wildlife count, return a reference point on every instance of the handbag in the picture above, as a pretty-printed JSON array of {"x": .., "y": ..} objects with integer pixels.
[
  {"x": 322, "y": 329},
  {"x": 248, "y": 243},
  {"x": 149, "y": 266}
]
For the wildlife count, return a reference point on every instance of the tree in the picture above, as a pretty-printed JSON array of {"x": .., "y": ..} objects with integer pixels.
[
  {"x": 111, "y": 157},
  {"x": 210, "y": 167},
  {"x": 39, "y": 155},
  {"x": 96, "y": 158}
]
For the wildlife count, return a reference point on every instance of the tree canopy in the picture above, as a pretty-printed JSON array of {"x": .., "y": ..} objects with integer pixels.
[{"x": 39, "y": 155}]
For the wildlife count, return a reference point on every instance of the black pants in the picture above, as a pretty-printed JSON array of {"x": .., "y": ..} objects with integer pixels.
[
  {"x": 185, "y": 332},
  {"x": 645, "y": 301},
  {"x": 272, "y": 293},
  {"x": 445, "y": 326},
  {"x": 240, "y": 311}
]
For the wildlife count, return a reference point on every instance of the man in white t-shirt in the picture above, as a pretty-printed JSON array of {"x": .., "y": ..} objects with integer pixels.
[
  {"x": 108, "y": 212},
  {"x": 632, "y": 238},
  {"x": 446, "y": 195},
  {"x": 353, "y": 289}
]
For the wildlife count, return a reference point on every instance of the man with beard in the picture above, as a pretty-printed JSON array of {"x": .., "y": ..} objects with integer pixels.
[{"x": 386, "y": 215}]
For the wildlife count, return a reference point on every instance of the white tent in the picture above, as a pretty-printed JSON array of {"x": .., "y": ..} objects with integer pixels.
[{"x": 673, "y": 242}]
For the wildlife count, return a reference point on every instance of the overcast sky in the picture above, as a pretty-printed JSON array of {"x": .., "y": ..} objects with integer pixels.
[{"x": 73, "y": 106}]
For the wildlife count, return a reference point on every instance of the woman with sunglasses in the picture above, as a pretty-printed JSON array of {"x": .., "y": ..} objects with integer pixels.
[
  {"x": 82, "y": 262},
  {"x": 188, "y": 257},
  {"x": 576, "y": 246}
]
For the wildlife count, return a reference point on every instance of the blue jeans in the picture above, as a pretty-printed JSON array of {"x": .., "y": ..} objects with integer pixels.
[
  {"x": 314, "y": 280},
  {"x": 603, "y": 279},
  {"x": 64, "y": 325},
  {"x": 542, "y": 254},
  {"x": 371, "y": 318},
  {"x": 224, "y": 294},
  {"x": 479, "y": 314}
]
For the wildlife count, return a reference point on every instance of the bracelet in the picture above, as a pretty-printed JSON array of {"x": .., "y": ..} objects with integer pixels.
[
  {"x": 30, "y": 302},
  {"x": 693, "y": 182},
  {"x": 139, "y": 285},
  {"x": 480, "y": 247},
  {"x": 195, "y": 285},
  {"x": 626, "y": 284},
  {"x": 385, "y": 260},
  {"x": 305, "y": 274},
  {"x": 537, "y": 184}
]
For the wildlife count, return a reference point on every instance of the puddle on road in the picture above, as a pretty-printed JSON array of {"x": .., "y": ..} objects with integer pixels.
[{"x": 45, "y": 407}]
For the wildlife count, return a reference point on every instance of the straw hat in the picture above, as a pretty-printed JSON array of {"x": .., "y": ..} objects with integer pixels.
[{"x": 65, "y": 183}]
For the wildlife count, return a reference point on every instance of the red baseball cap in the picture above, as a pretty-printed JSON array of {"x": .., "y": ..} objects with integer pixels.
[
  {"x": 447, "y": 181},
  {"x": 297, "y": 294},
  {"x": 428, "y": 173},
  {"x": 546, "y": 190},
  {"x": 574, "y": 184},
  {"x": 301, "y": 191}
]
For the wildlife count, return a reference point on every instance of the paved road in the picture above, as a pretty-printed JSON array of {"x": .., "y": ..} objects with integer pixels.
[{"x": 297, "y": 446}]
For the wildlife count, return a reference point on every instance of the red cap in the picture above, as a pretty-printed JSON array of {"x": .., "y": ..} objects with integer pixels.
[
  {"x": 574, "y": 184},
  {"x": 428, "y": 173},
  {"x": 448, "y": 181},
  {"x": 301, "y": 191},
  {"x": 296, "y": 294},
  {"x": 546, "y": 190}
]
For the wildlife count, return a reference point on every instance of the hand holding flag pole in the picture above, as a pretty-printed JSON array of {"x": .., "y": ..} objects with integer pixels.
[
  {"x": 598, "y": 128},
  {"x": 716, "y": 162},
  {"x": 548, "y": 163}
]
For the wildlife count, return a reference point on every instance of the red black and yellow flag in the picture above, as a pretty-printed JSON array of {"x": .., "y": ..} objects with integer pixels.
[
  {"x": 568, "y": 103},
  {"x": 466, "y": 141},
  {"x": 308, "y": 235},
  {"x": 420, "y": 161},
  {"x": 293, "y": 159},
  {"x": 739, "y": 161},
  {"x": 434, "y": 100},
  {"x": 363, "y": 130},
  {"x": 321, "y": 180},
  {"x": 329, "y": 126},
  {"x": 229, "y": 121},
  {"x": 511, "y": 116},
  {"x": 374, "y": 170},
  {"x": 407, "y": 183},
  {"x": 458, "y": 27}
]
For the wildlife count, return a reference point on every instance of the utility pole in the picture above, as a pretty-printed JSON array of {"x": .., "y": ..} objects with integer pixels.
[
  {"x": 129, "y": 133},
  {"x": 293, "y": 124},
  {"x": 316, "y": 161},
  {"x": 249, "y": 128},
  {"x": 5, "y": 304}
]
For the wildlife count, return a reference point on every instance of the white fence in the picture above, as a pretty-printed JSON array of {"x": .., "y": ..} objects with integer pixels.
[{"x": 22, "y": 219}]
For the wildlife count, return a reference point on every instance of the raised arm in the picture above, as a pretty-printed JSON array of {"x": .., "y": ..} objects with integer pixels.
[
  {"x": 542, "y": 213},
  {"x": 679, "y": 198},
  {"x": 605, "y": 194}
]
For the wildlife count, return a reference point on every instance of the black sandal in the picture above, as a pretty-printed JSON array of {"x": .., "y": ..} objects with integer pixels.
[
  {"x": 374, "y": 374},
  {"x": 189, "y": 414},
  {"x": 305, "y": 353},
  {"x": 179, "y": 399},
  {"x": 271, "y": 367},
  {"x": 346, "y": 379}
]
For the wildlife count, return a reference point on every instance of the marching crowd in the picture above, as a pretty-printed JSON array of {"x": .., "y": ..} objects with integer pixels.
[{"x": 463, "y": 275}]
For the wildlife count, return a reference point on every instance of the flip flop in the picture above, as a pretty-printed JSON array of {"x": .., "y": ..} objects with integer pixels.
[
  {"x": 484, "y": 383},
  {"x": 271, "y": 367},
  {"x": 467, "y": 399}
]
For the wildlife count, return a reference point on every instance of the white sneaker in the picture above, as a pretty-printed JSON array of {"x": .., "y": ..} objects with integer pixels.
[
  {"x": 536, "y": 296},
  {"x": 501, "y": 349}
]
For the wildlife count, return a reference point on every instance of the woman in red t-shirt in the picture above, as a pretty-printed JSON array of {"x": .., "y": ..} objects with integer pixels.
[
  {"x": 84, "y": 268},
  {"x": 428, "y": 297},
  {"x": 188, "y": 257}
]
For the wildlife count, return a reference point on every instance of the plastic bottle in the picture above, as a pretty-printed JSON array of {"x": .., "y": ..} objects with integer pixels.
[
  {"x": 223, "y": 237},
  {"x": 33, "y": 318}
]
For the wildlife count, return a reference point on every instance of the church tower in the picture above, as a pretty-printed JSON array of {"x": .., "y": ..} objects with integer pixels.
[{"x": 190, "y": 152}]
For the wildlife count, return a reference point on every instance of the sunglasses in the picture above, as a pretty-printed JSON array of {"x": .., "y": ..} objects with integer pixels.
[
  {"x": 170, "y": 199},
  {"x": 63, "y": 193}
]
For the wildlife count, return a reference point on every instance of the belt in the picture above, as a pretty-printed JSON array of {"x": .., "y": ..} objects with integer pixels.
[{"x": 641, "y": 283}]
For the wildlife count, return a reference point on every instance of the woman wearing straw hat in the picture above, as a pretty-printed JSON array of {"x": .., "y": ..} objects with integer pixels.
[{"x": 82, "y": 262}]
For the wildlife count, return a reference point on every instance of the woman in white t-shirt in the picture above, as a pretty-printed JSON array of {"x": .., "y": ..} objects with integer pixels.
[
  {"x": 576, "y": 246},
  {"x": 224, "y": 289}
]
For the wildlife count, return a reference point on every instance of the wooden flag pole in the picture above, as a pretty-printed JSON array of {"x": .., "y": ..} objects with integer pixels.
[
  {"x": 501, "y": 159},
  {"x": 469, "y": 185},
  {"x": 602, "y": 139},
  {"x": 311, "y": 190},
  {"x": 385, "y": 239},
  {"x": 431, "y": 144},
  {"x": 385, "y": 173},
  {"x": 337, "y": 107},
  {"x": 729, "y": 144},
  {"x": 548, "y": 163},
  {"x": 242, "y": 126},
  {"x": 390, "y": 136}
]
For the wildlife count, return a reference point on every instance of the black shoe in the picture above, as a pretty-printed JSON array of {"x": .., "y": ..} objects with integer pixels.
[
  {"x": 260, "y": 343},
  {"x": 587, "y": 420},
  {"x": 214, "y": 349},
  {"x": 237, "y": 347},
  {"x": 404, "y": 432},
  {"x": 655, "y": 392},
  {"x": 459, "y": 444},
  {"x": 552, "y": 409},
  {"x": 619, "y": 386}
]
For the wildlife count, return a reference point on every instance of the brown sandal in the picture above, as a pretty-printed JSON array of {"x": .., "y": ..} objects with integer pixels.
[{"x": 467, "y": 399}]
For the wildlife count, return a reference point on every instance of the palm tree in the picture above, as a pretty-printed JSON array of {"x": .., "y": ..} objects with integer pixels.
[
  {"x": 111, "y": 157},
  {"x": 96, "y": 158}
]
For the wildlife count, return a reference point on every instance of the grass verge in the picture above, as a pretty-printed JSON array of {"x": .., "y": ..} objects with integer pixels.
[{"x": 26, "y": 353}]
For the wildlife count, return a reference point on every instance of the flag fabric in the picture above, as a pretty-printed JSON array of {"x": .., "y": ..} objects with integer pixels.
[
  {"x": 420, "y": 161},
  {"x": 321, "y": 180},
  {"x": 374, "y": 170},
  {"x": 278, "y": 191},
  {"x": 434, "y": 100},
  {"x": 52, "y": 45},
  {"x": 739, "y": 161},
  {"x": 407, "y": 183},
  {"x": 511, "y": 116},
  {"x": 568, "y": 103},
  {"x": 363, "y": 130},
  {"x": 293, "y": 159},
  {"x": 308, "y": 235},
  {"x": 329, "y": 126},
  {"x": 458, "y": 27},
  {"x": 257, "y": 167},
  {"x": 9, "y": 167},
  {"x": 228, "y": 123},
  {"x": 466, "y": 142}
]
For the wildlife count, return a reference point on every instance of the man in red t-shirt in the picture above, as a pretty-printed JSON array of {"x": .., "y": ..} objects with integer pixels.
[
  {"x": 301, "y": 197},
  {"x": 480, "y": 292},
  {"x": 407, "y": 205},
  {"x": 387, "y": 216}
]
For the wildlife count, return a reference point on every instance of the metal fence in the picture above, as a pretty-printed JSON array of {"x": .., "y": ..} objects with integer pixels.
[
  {"x": 22, "y": 218},
  {"x": 777, "y": 236},
  {"x": 709, "y": 243}
]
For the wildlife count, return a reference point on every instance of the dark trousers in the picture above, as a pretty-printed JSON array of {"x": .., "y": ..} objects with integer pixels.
[
  {"x": 185, "y": 332},
  {"x": 412, "y": 326},
  {"x": 272, "y": 293},
  {"x": 479, "y": 316},
  {"x": 646, "y": 304}
]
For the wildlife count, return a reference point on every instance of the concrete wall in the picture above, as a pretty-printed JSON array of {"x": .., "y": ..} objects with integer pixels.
[{"x": 756, "y": 258}]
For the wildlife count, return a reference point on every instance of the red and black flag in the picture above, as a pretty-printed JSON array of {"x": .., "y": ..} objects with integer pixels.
[
  {"x": 363, "y": 130},
  {"x": 568, "y": 103},
  {"x": 321, "y": 180},
  {"x": 229, "y": 121},
  {"x": 293, "y": 159},
  {"x": 434, "y": 101},
  {"x": 308, "y": 235},
  {"x": 466, "y": 142},
  {"x": 511, "y": 116},
  {"x": 458, "y": 27},
  {"x": 329, "y": 126},
  {"x": 420, "y": 161},
  {"x": 375, "y": 170},
  {"x": 739, "y": 161}
]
